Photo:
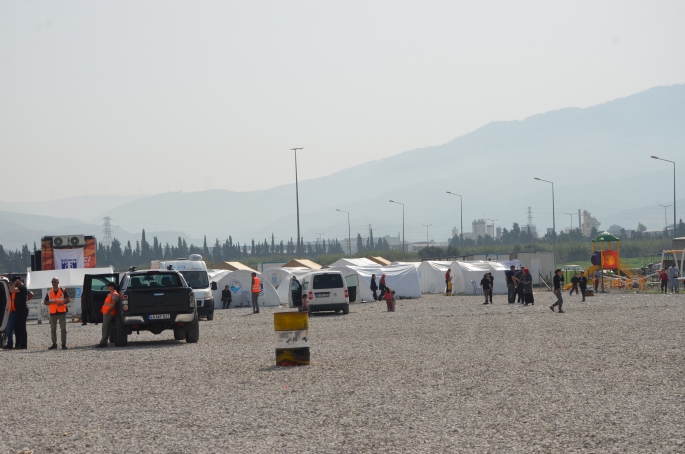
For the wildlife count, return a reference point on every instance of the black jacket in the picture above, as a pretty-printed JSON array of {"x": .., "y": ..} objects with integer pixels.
[
  {"x": 374, "y": 287},
  {"x": 226, "y": 295}
]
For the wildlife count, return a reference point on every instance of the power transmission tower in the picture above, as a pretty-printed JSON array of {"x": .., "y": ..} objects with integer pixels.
[{"x": 107, "y": 232}]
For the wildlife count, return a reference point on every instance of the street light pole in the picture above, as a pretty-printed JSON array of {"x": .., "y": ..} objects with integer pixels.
[
  {"x": 403, "y": 237},
  {"x": 674, "y": 216},
  {"x": 297, "y": 201},
  {"x": 349, "y": 231},
  {"x": 554, "y": 223},
  {"x": 666, "y": 218},
  {"x": 571, "y": 214},
  {"x": 461, "y": 217},
  {"x": 426, "y": 226}
]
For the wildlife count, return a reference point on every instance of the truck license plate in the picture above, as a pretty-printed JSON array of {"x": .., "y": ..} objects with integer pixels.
[
  {"x": 322, "y": 295},
  {"x": 159, "y": 316}
]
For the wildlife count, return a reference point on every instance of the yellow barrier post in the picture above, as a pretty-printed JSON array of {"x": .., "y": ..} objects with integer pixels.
[{"x": 292, "y": 338}]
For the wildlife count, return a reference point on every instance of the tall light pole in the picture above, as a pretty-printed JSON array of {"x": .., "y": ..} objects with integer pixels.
[
  {"x": 403, "y": 237},
  {"x": 571, "y": 214},
  {"x": 554, "y": 222},
  {"x": 426, "y": 226},
  {"x": 297, "y": 201},
  {"x": 317, "y": 240},
  {"x": 494, "y": 234},
  {"x": 666, "y": 219},
  {"x": 461, "y": 217},
  {"x": 349, "y": 231},
  {"x": 674, "y": 216}
]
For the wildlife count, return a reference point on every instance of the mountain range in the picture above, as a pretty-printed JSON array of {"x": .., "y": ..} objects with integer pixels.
[{"x": 598, "y": 158}]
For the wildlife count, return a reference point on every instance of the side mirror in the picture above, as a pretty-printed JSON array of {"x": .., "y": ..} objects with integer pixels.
[{"x": 214, "y": 286}]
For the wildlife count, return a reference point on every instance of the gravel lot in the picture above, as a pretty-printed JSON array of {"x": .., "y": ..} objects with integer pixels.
[{"x": 440, "y": 374}]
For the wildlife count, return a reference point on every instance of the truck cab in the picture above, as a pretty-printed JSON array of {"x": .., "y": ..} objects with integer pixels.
[
  {"x": 4, "y": 309},
  {"x": 150, "y": 300},
  {"x": 194, "y": 270}
]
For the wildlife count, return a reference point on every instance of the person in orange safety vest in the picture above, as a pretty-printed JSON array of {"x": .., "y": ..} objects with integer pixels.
[
  {"x": 256, "y": 288},
  {"x": 109, "y": 310},
  {"x": 56, "y": 299}
]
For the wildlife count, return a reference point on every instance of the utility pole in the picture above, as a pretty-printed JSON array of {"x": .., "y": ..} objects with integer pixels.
[
  {"x": 297, "y": 201},
  {"x": 426, "y": 226}
]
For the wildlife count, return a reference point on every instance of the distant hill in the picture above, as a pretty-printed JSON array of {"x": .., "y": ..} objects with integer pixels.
[{"x": 598, "y": 158}]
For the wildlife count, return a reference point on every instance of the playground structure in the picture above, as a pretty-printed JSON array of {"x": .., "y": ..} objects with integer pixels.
[{"x": 614, "y": 273}]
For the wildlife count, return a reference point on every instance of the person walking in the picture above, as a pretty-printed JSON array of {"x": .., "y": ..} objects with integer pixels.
[
  {"x": 663, "y": 278},
  {"x": 256, "y": 288},
  {"x": 448, "y": 278},
  {"x": 487, "y": 289},
  {"x": 9, "y": 328},
  {"x": 381, "y": 286},
  {"x": 57, "y": 299},
  {"x": 673, "y": 275},
  {"x": 596, "y": 283},
  {"x": 492, "y": 284},
  {"x": 511, "y": 284},
  {"x": 527, "y": 284},
  {"x": 109, "y": 310},
  {"x": 558, "y": 282},
  {"x": 22, "y": 296},
  {"x": 574, "y": 284},
  {"x": 226, "y": 297},
  {"x": 582, "y": 283},
  {"x": 374, "y": 287}
]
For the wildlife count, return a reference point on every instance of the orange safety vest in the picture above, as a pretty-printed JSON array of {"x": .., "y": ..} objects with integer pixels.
[
  {"x": 12, "y": 295},
  {"x": 55, "y": 301},
  {"x": 110, "y": 306},
  {"x": 256, "y": 288}
]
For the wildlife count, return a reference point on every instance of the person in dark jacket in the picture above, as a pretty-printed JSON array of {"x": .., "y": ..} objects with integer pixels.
[
  {"x": 226, "y": 297},
  {"x": 487, "y": 288},
  {"x": 374, "y": 287},
  {"x": 22, "y": 295},
  {"x": 558, "y": 282},
  {"x": 382, "y": 286},
  {"x": 582, "y": 283},
  {"x": 519, "y": 287},
  {"x": 526, "y": 283},
  {"x": 574, "y": 284}
]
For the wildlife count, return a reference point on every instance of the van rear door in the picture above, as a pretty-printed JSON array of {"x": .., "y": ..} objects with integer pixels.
[
  {"x": 352, "y": 282},
  {"x": 327, "y": 288},
  {"x": 4, "y": 306},
  {"x": 295, "y": 296},
  {"x": 94, "y": 294}
]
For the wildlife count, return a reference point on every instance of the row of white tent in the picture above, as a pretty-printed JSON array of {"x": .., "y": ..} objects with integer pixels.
[{"x": 407, "y": 279}]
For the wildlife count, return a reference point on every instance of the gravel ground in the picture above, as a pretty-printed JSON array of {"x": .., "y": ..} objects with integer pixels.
[{"x": 442, "y": 374}]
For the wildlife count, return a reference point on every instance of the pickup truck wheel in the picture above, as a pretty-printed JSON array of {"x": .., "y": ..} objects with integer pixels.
[
  {"x": 179, "y": 334},
  {"x": 120, "y": 336},
  {"x": 193, "y": 335},
  {"x": 3, "y": 339},
  {"x": 210, "y": 316}
]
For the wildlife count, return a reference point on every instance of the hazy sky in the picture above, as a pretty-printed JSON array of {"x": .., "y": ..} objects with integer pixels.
[{"x": 146, "y": 96}]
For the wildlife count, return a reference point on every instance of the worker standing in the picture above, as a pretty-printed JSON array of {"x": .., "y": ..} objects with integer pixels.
[
  {"x": 9, "y": 328},
  {"x": 109, "y": 310},
  {"x": 22, "y": 296},
  {"x": 57, "y": 299},
  {"x": 256, "y": 288}
]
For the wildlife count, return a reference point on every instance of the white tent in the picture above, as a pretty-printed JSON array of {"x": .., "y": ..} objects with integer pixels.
[
  {"x": 465, "y": 272},
  {"x": 240, "y": 284},
  {"x": 354, "y": 262},
  {"x": 507, "y": 264},
  {"x": 432, "y": 276},
  {"x": 276, "y": 275},
  {"x": 284, "y": 287},
  {"x": 403, "y": 279}
]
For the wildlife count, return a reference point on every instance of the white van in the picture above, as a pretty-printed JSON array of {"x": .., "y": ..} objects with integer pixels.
[
  {"x": 194, "y": 271},
  {"x": 324, "y": 290}
]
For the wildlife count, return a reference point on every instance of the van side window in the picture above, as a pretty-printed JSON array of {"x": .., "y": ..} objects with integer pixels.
[{"x": 326, "y": 280}]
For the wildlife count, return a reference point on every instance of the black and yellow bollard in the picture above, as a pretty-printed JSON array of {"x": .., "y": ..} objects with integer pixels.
[{"x": 292, "y": 338}]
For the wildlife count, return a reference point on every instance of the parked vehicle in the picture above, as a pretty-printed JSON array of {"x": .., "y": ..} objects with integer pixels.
[
  {"x": 150, "y": 300},
  {"x": 324, "y": 290},
  {"x": 194, "y": 270}
]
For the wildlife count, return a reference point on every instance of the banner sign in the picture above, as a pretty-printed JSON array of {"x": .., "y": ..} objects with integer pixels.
[{"x": 69, "y": 258}]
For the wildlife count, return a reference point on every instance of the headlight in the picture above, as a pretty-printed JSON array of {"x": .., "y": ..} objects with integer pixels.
[{"x": 208, "y": 294}]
